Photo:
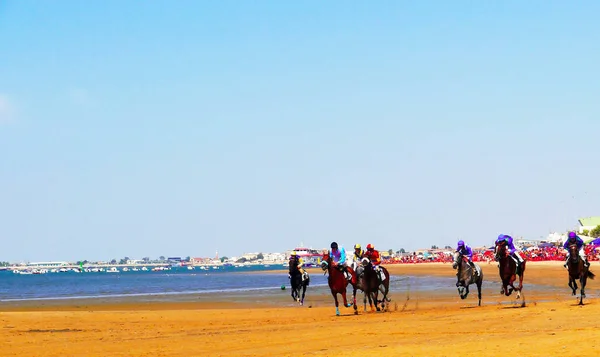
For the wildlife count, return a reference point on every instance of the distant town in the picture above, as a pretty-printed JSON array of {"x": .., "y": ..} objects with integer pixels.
[{"x": 588, "y": 229}]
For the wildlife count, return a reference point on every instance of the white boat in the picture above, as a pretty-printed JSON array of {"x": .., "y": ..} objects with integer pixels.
[{"x": 113, "y": 270}]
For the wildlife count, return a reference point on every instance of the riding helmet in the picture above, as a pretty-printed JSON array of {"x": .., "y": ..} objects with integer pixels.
[
  {"x": 572, "y": 235},
  {"x": 334, "y": 245},
  {"x": 357, "y": 246},
  {"x": 461, "y": 243},
  {"x": 370, "y": 246}
]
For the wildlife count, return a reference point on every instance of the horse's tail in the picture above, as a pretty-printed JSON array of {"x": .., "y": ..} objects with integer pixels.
[{"x": 591, "y": 275}]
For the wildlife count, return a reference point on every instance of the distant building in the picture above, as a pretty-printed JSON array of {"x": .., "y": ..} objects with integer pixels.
[
  {"x": 250, "y": 256},
  {"x": 589, "y": 223},
  {"x": 47, "y": 264}
]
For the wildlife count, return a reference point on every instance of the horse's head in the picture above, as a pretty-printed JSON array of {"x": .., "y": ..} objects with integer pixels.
[
  {"x": 573, "y": 252},
  {"x": 365, "y": 262},
  {"x": 456, "y": 259},
  {"x": 325, "y": 260},
  {"x": 500, "y": 250}
]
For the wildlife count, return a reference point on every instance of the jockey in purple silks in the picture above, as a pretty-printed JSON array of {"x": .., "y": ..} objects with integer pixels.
[
  {"x": 466, "y": 251},
  {"x": 574, "y": 239},
  {"x": 514, "y": 253}
]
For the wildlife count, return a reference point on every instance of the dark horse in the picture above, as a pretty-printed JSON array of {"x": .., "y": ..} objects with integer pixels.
[
  {"x": 466, "y": 276},
  {"x": 578, "y": 270},
  {"x": 338, "y": 282},
  {"x": 372, "y": 285},
  {"x": 298, "y": 284},
  {"x": 508, "y": 270}
]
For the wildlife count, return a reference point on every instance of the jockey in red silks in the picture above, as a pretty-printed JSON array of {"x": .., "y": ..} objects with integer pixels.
[
  {"x": 338, "y": 255},
  {"x": 467, "y": 252},
  {"x": 575, "y": 239},
  {"x": 514, "y": 253},
  {"x": 374, "y": 257}
]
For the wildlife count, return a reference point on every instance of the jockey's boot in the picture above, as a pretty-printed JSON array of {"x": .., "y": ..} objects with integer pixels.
[
  {"x": 566, "y": 262},
  {"x": 304, "y": 275},
  {"x": 586, "y": 263},
  {"x": 474, "y": 269}
]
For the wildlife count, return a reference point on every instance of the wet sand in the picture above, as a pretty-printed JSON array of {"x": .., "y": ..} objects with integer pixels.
[{"x": 420, "y": 322}]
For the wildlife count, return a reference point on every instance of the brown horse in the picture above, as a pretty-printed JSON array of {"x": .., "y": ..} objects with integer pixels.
[
  {"x": 508, "y": 270},
  {"x": 577, "y": 270},
  {"x": 338, "y": 282}
]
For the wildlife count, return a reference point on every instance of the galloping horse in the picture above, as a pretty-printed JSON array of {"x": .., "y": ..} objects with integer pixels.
[
  {"x": 465, "y": 276},
  {"x": 508, "y": 270},
  {"x": 577, "y": 270},
  {"x": 372, "y": 285},
  {"x": 338, "y": 282},
  {"x": 298, "y": 284}
]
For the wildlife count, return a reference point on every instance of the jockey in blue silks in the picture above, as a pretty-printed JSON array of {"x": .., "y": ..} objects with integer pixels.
[
  {"x": 338, "y": 255},
  {"x": 514, "y": 253},
  {"x": 574, "y": 239},
  {"x": 466, "y": 251}
]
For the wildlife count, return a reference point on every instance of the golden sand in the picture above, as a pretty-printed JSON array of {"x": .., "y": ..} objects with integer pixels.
[{"x": 427, "y": 324}]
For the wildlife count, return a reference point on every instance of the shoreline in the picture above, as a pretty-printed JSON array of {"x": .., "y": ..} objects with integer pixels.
[{"x": 540, "y": 277}]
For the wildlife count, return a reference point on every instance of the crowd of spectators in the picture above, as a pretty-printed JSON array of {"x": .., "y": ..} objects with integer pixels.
[{"x": 547, "y": 253}]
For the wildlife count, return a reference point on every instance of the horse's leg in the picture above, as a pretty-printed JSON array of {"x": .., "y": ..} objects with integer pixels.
[
  {"x": 369, "y": 295},
  {"x": 303, "y": 294},
  {"x": 376, "y": 298},
  {"x": 345, "y": 299},
  {"x": 365, "y": 301},
  {"x": 582, "y": 280},
  {"x": 337, "y": 309},
  {"x": 479, "y": 290}
]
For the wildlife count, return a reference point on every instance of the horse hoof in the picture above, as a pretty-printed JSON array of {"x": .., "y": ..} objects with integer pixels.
[
  {"x": 355, "y": 312},
  {"x": 378, "y": 309}
]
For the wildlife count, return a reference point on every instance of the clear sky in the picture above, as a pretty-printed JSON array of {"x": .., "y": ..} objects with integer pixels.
[{"x": 147, "y": 128}]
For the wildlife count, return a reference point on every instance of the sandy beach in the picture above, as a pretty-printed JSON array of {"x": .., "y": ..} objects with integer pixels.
[{"x": 420, "y": 323}]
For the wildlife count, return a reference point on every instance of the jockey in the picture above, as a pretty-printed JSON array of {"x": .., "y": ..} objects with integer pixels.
[
  {"x": 338, "y": 255},
  {"x": 358, "y": 255},
  {"x": 514, "y": 253},
  {"x": 574, "y": 239},
  {"x": 296, "y": 262},
  {"x": 374, "y": 257},
  {"x": 466, "y": 251}
]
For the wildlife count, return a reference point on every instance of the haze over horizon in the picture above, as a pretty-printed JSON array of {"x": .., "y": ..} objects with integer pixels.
[{"x": 183, "y": 128}]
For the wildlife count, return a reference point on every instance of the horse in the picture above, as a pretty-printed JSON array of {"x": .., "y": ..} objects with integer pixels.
[
  {"x": 338, "y": 282},
  {"x": 508, "y": 270},
  {"x": 465, "y": 276},
  {"x": 298, "y": 285},
  {"x": 577, "y": 270},
  {"x": 360, "y": 282},
  {"x": 372, "y": 285}
]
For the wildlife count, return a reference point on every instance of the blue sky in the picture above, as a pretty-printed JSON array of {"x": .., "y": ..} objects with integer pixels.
[{"x": 181, "y": 128}]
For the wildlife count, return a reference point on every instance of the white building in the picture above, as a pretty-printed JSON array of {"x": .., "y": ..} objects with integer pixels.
[
  {"x": 47, "y": 264},
  {"x": 588, "y": 223}
]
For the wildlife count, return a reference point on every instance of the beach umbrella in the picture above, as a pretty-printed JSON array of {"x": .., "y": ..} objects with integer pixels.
[{"x": 587, "y": 240}]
